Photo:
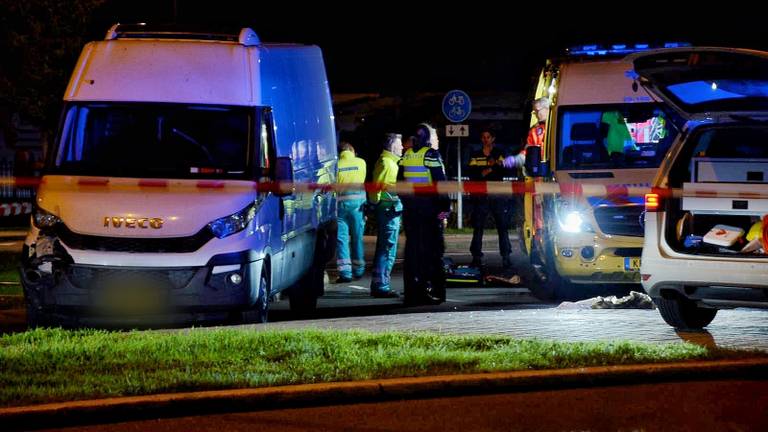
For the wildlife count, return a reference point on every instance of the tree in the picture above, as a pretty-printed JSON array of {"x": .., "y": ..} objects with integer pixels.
[{"x": 40, "y": 41}]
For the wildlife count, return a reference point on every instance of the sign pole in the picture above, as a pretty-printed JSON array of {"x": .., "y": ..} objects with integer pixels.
[
  {"x": 456, "y": 108},
  {"x": 459, "y": 212}
]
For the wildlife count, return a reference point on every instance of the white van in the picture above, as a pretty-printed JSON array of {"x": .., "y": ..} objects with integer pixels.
[
  {"x": 712, "y": 191},
  {"x": 156, "y": 203}
]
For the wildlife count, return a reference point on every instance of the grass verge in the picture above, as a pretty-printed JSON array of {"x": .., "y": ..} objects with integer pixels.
[
  {"x": 58, "y": 365},
  {"x": 11, "y": 289},
  {"x": 9, "y": 273}
]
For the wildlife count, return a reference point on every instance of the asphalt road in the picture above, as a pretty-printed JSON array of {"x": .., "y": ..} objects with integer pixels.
[{"x": 684, "y": 406}]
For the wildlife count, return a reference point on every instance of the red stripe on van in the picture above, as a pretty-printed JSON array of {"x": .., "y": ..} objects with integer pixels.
[
  {"x": 153, "y": 183},
  {"x": 92, "y": 182},
  {"x": 210, "y": 184}
]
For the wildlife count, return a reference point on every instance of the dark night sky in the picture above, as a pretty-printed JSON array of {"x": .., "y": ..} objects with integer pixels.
[{"x": 395, "y": 47}]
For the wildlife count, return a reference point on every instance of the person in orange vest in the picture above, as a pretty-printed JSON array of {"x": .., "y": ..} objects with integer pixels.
[{"x": 536, "y": 134}]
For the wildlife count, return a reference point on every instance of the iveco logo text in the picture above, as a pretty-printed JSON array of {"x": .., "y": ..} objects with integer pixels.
[{"x": 120, "y": 222}]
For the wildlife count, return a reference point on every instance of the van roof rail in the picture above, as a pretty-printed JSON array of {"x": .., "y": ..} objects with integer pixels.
[{"x": 244, "y": 36}]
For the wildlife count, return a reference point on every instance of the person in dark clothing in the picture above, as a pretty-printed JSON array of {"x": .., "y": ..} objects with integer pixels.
[
  {"x": 423, "y": 218},
  {"x": 486, "y": 164}
]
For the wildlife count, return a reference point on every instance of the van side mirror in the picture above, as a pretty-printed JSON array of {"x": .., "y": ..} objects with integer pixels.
[
  {"x": 284, "y": 176},
  {"x": 533, "y": 166}
]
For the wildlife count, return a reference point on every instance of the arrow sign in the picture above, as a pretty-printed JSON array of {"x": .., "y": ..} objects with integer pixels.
[{"x": 457, "y": 130}]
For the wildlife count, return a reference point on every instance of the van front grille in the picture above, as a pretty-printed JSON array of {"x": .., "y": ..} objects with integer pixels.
[
  {"x": 93, "y": 278},
  {"x": 133, "y": 244},
  {"x": 621, "y": 220}
]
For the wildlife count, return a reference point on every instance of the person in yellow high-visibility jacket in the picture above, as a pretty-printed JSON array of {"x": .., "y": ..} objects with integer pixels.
[
  {"x": 350, "y": 259},
  {"x": 388, "y": 210},
  {"x": 423, "y": 218}
]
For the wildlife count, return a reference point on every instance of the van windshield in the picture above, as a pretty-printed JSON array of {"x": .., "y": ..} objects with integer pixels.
[
  {"x": 154, "y": 140},
  {"x": 618, "y": 136}
]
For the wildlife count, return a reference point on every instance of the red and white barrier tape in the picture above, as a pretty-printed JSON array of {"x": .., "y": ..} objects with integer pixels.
[
  {"x": 15, "y": 209},
  {"x": 742, "y": 191}
]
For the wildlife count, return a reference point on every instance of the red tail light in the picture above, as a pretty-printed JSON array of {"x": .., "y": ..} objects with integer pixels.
[{"x": 652, "y": 202}]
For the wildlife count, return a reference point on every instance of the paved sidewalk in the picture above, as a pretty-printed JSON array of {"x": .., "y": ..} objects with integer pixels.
[{"x": 740, "y": 328}]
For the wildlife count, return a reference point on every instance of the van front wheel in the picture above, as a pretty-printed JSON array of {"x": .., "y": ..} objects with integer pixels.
[{"x": 260, "y": 311}]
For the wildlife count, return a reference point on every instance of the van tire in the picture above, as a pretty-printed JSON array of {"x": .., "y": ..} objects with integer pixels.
[
  {"x": 546, "y": 284},
  {"x": 303, "y": 296},
  {"x": 259, "y": 312},
  {"x": 683, "y": 314}
]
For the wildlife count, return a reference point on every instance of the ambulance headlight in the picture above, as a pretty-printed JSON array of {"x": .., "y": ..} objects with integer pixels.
[
  {"x": 571, "y": 217},
  {"x": 572, "y": 222},
  {"x": 228, "y": 225},
  {"x": 43, "y": 219}
]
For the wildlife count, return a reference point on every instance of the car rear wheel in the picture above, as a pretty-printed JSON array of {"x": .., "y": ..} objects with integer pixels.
[{"x": 683, "y": 314}]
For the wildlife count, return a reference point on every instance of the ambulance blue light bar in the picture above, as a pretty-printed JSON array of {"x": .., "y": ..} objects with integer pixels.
[{"x": 594, "y": 50}]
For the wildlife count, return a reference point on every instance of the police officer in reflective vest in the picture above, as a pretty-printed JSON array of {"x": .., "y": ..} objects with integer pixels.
[
  {"x": 423, "y": 216},
  {"x": 388, "y": 209},
  {"x": 350, "y": 259}
]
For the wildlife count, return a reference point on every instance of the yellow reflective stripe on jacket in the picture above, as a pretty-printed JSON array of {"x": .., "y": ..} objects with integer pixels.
[
  {"x": 485, "y": 161},
  {"x": 414, "y": 166}
]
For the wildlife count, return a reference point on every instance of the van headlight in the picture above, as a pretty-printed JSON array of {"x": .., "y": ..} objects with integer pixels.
[
  {"x": 572, "y": 222},
  {"x": 571, "y": 218},
  {"x": 233, "y": 223},
  {"x": 43, "y": 219}
]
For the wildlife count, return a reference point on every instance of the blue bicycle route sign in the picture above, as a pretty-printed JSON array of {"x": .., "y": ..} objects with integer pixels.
[{"x": 456, "y": 106}]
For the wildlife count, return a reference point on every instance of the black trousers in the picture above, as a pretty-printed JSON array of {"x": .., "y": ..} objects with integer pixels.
[
  {"x": 501, "y": 210},
  {"x": 424, "y": 247}
]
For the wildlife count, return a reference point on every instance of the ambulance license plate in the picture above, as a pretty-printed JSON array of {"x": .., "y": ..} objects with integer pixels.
[{"x": 631, "y": 264}]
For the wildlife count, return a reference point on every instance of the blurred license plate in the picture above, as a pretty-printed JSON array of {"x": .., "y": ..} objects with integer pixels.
[
  {"x": 631, "y": 263},
  {"x": 133, "y": 298}
]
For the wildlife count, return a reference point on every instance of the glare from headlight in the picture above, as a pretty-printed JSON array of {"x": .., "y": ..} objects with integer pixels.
[
  {"x": 572, "y": 222},
  {"x": 43, "y": 219}
]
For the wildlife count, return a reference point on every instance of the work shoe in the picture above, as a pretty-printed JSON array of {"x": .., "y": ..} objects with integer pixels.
[
  {"x": 506, "y": 262},
  {"x": 343, "y": 279},
  {"x": 385, "y": 294},
  {"x": 477, "y": 262}
]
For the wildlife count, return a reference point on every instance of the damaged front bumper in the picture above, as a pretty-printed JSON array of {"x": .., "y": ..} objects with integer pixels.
[{"x": 58, "y": 291}]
